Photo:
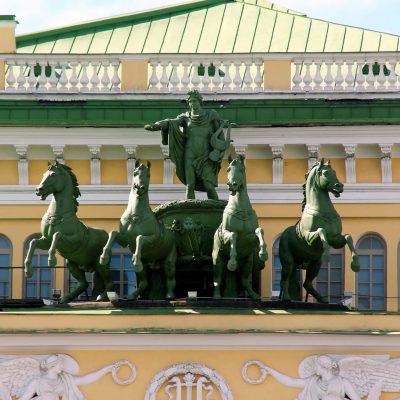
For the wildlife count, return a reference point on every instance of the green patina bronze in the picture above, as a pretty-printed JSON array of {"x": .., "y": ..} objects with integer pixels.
[
  {"x": 62, "y": 231},
  {"x": 307, "y": 243},
  {"x": 238, "y": 240},
  {"x": 197, "y": 145},
  {"x": 151, "y": 243}
]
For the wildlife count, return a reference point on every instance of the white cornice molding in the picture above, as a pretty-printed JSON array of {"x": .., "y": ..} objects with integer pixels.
[
  {"x": 160, "y": 193},
  {"x": 204, "y": 341},
  {"x": 243, "y": 136}
]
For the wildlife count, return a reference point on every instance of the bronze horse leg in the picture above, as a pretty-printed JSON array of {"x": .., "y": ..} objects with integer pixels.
[
  {"x": 79, "y": 275},
  {"x": 321, "y": 234},
  {"x": 170, "y": 269},
  {"x": 105, "y": 255},
  {"x": 43, "y": 244},
  {"x": 140, "y": 241},
  {"x": 230, "y": 237},
  {"x": 263, "y": 254},
  {"x": 52, "y": 260},
  {"x": 355, "y": 264}
]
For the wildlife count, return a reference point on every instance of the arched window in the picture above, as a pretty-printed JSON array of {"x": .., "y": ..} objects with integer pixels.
[
  {"x": 40, "y": 284},
  {"x": 276, "y": 267},
  {"x": 122, "y": 272},
  {"x": 5, "y": 268},
  {"x": 371, "y": 280},
  {"x": 330, "y": 282}
]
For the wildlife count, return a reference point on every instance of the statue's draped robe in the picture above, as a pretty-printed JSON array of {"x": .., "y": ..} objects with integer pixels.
[
  {"x": 313, "y": 391},
  {"x": 175, "y": 137}
]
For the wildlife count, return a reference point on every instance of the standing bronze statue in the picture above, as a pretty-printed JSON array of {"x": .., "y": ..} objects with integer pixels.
[{"x": 197, "y": 145}]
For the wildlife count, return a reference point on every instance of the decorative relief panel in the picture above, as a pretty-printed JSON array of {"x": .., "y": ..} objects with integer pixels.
[
  {"x": 188, "y": 381},
  {"x": 51, "y": 377},
  {"x": 335, "y": 377}
]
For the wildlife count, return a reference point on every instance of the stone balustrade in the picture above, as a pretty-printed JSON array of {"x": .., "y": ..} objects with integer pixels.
[{"x": 209, "y": 73}]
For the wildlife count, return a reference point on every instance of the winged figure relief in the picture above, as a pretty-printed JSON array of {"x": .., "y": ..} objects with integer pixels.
[
  {"x": 51, "y": 377},
  {"x": 337, "y": 377}
]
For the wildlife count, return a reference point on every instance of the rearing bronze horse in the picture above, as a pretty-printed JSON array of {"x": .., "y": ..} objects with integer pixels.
[
  {"x": 307, "y": 243},
  {"x": 150, "y": 242},
  {"x": 61, "y": 230},
  {"x": 239, "y": 235}
]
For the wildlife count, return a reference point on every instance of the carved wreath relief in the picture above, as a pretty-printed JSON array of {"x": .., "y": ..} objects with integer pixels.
[
  {"x": 51, "y": 377},
  {"x": 336, "y": 377},
  {"x": 188, "y": 381}
]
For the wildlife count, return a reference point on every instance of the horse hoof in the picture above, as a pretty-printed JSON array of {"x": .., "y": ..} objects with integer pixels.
[
  {"x": 232, "y": 265},
  {"x": 104, "y": 260},
  {"x": 139, "y": 267},
  {"x": 133, "y": 296},
  {"x": 355, "y": 266},
  {"x": 263, "y": 256}
]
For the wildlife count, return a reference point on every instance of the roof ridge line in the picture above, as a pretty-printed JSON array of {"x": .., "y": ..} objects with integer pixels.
[{"x": 142, "y": 14}]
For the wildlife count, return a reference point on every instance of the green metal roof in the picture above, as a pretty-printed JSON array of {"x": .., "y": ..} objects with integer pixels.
[{"x": 208, "y": 26}]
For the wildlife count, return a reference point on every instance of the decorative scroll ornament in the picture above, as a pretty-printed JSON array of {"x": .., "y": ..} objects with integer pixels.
[
  {"x": 51, "y": 377},
  {"x": 338, "y": 377},
  {"x": 188, "y": 381}
]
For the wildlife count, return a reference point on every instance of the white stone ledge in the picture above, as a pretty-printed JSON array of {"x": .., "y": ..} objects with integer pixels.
[
  {"x": 259, "y": 194},
  {"x": 242, "y": 341}
]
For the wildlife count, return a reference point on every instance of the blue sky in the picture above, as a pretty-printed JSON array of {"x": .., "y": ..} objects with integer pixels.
[{"x": 33, "y": 15}]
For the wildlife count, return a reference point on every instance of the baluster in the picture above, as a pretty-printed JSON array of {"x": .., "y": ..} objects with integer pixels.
[
  {"x": 237, "y": 80},
  {"x": 371, "y": 77},
  {"x": 206, "y": 77},
  {"x": 216, "y": 79},
  {"x": 381, "y": 76},
  {"x": 307, "y": 77},
  {"x": 73, "y": 80},
  {"x": 32, "y": 77},
  {"x": 63, "y": 79},
  {"x": 227, "y": 81},
  {"x": 94, "y": 80},
  {"x": 247, "y": 80},
  {"x": 11, "y": 77},
  {"x": 318, "y": 76},
  {"x": 185, "y": 77},
  {"x": 153, "y": 81},
  {"x": 84, "y": 80},
  {"x": 392, "y": 76},
  {"x": 105, "y": 79},
  {"x": 258, "y": 78},
  {"x": 339, "y": 79},
  {"x": 328, "y": 79},
  {"x": 174, "y": 80},
  {"x": 297, "y": 76},
  {"x": 21, "y": 77},
  {"x": 115, "y": 80},
  {"x": 164, "y": 77},
  {"x": 42, "y": 80},
  {"x": 360, "y": 78},
  {"x": 195, "y": 77},
  {"x": 349, "y": 76},
  {"x": 53, "y": 78}
]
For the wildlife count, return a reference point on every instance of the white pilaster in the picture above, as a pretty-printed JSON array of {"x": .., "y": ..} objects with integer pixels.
[
  {"x": 23, "y": 172},
  {"x": 168, "y": 177},
  {"x": 386, "y": 162},
  {"x": 277, "y": 163},
  {"x": 312, "y": 150},
  {"x": 130, "y": 161},
  {"x": 58, "y": 151},
  {"x": 95, "y": 164},
  {"x": 350, "y": 162}
]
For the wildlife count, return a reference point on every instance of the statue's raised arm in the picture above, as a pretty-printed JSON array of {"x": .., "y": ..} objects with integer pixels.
[{"x": 197, "y": 144}]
